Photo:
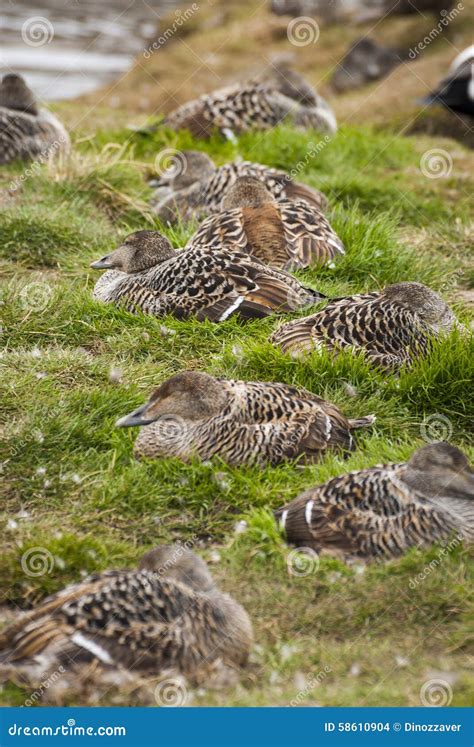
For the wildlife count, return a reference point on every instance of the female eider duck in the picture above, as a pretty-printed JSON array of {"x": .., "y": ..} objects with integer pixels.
[
  {"x": 392, "y": 327},
  {"x": 194, "y": 187},
  {"x": 146, "y": 273},
  {"x": 456, "y": 91},
  {"x": 166, "y": 616},
  {"x": 253, "y": 105},
  {"x": 26, "y": 131},
  {"x": 193, "y": 414},
  {"x": 284, "y": 234},
  {"x": 385, "y": 510}
]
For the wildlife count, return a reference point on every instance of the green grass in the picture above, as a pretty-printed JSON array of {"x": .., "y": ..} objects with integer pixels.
[{"x": 70, "y": 484}]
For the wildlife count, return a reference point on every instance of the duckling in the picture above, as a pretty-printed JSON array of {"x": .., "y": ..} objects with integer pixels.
[
  {"x": 393, "y": 327},
  {"x": 456, "y": 91},
  {"x": 384, "y": 510},
  {"x": 26, "y": 131},
  {"x": 244, "y": 423},
  {"x": 252, "y": 105},
  {"x": 196, "y": 187},
  {"x": 148, "y": 274},
  {"x": 283, "y": 234},
  {"x": 168, "y": 615}
]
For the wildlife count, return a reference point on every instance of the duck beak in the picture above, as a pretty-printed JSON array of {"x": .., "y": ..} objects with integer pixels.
[
  {"x": 105, "y": 263},
  {"x": 137, "y": 417}
]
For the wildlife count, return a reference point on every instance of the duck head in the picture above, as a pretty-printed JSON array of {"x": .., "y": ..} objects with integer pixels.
[
  {"x": 440, "y": 470},
  {"x": 15, "y": 94},
  {"x": 247, "y": 191},
  {"x": 423, "y": 301},
  {"x": 291, "y": 84},
  {"x": 188, "y": 167},
  {"x": 190, "y": 395},
  {"x": 178, "y": 563},
  {"x": 139, "y": 251}
]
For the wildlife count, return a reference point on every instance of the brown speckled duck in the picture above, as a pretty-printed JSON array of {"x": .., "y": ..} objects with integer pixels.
[
  {"x": 166, "y": 616},
  {"x": 385, "y": 510},
  {"x": 26, "y": 131},
  {"x": 255, "y": 105},
  {"x": 146, "y": 273},
  {"x": 284, "y": 234},
  {"x": 392, "y": 327},
  {"x": 193, "y": 414},
  {"x": 194, "y": 187}
]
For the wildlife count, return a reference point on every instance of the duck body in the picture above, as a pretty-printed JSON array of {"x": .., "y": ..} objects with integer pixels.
[
  {"x": 385, "y": 510},
  {"x": 204, "y": 196},
  {"x": 283, "y": 234},
  {"x": 244, "y": 423},
  {"x": 392, "y": 327},
  {"x": 456, "y": 91},
  {"x": 364, "y": 62},
  {"x": 26, "y": 131},
  {"x": 249, "y": 106},
  {"x": 195, "y": 282},
  {"x": 150, "y": 620}
]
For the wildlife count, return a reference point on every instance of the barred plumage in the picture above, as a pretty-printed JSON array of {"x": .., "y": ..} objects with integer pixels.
[
  {"x": 392, "y": 327},
  {"x": 167, "y": 615},
  {"x": 244, "y": 423},
  {"x": 147, "y": 274},
  {"x": 384, "y": 510},
  {"x": 194, "y": 187},
  {"x": 283, "y": 234},
  {"x": 252, "y": 105},
  {"x": 27, "y": 132}
]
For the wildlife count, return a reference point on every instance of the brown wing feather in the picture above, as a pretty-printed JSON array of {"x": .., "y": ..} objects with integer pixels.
[
  {"x": 297, "y": 191},
  {"x": 48, "y": 607},
  {"x": 309, "y": 237}
]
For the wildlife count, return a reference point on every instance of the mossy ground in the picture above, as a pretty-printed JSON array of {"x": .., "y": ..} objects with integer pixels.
[{"x": 70, "y": 484}]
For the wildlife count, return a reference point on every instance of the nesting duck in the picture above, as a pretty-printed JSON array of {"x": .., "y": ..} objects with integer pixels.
[
  {"x": 194, "y": 187},
  {"x": 146, "y": 273},
  {"x": 168, "y": 615},
  {"x": 392, "y": 327},
  {"x": 456, "y": 90},
  {"x": 193, "y": 414},
  {"x": 27, "y": 131},
  {"x": 283, "y": 234},
  {"x": 255, "y": 105},
  {"x": 364, "y": 62},
  {"x": 384, "y": 510}
]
